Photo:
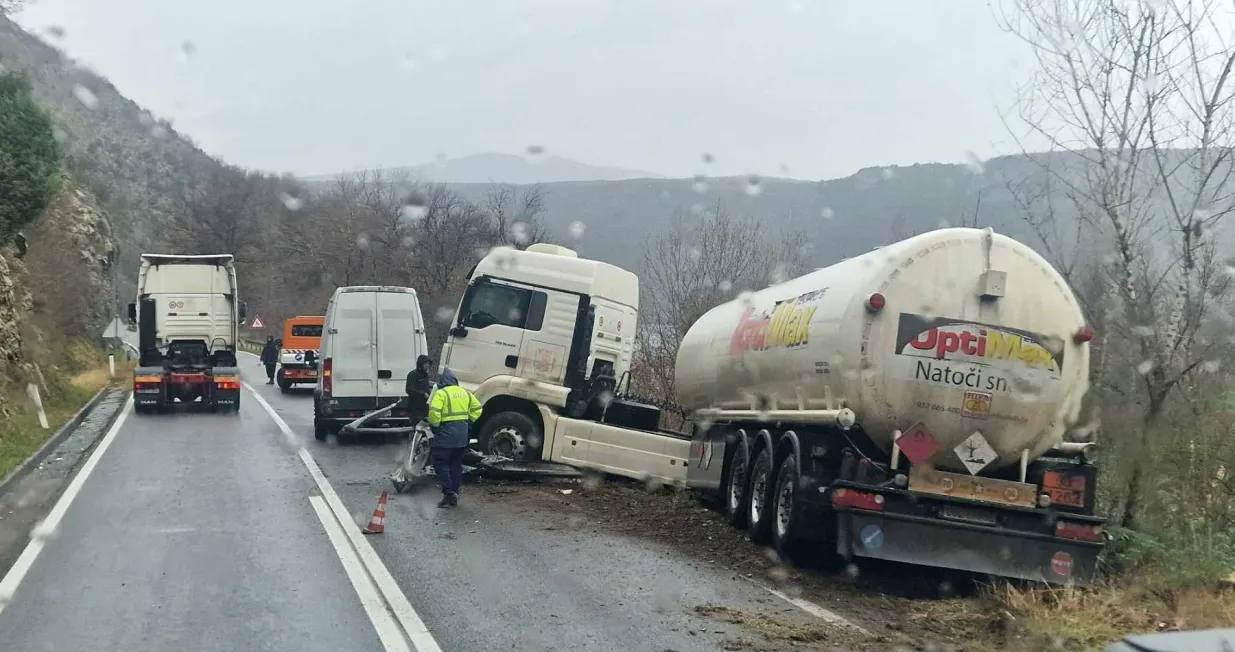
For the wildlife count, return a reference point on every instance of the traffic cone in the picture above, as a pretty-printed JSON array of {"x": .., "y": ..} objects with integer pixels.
[{"x": 377, "y": 524}]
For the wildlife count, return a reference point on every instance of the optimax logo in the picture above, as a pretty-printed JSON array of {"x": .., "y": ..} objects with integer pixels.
[
  {"x": 788, "y": 325},
  {"x": 950, "y": 339}
]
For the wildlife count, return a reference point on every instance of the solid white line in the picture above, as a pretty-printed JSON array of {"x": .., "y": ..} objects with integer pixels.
[
  {"x": 415, "y": 628},
  {"x": 387, "y": 629},
  {"x": 830, "y": 617},
  {"x": 12, "y": 579}
]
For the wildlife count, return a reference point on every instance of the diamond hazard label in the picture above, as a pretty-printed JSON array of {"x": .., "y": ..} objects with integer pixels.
[
  {"x": 918, "y": 444},
  {"x": 975, "y": 453}
]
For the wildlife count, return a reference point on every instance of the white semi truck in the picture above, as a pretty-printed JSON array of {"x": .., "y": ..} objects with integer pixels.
[
  {"x": 909, "y": 404},
  {"x": 187, "y": 316}
]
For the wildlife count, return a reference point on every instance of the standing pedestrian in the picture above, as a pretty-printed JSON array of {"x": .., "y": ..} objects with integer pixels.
[
  {"x": 452, "y": 411},
  {"x": 419, "y": 387},
  {"x": 270, "y": 358}
]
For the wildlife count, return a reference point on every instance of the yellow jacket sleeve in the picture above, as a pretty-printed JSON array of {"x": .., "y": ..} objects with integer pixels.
[
  {"x": 473, "y": 407},
  {"x": 436, "y": 405}
]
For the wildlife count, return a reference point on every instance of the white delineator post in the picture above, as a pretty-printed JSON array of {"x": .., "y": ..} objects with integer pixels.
[
  {"x": 33, "y": 391},
  {"x": 111, "y": 365}
]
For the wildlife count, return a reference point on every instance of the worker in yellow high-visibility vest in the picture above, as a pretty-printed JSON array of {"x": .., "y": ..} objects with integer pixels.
[{"x": 452, "y": 411}]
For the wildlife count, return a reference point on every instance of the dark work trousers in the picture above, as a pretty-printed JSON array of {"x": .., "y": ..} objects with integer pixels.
[
  {"x": 448, "y": 465},
  {"x": 270, "y": 370}
]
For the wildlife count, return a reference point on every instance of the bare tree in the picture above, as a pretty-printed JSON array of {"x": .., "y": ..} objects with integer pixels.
[
  {"x": 221, "y": 212},
  {"x": 699, "y": 262},
  {"x": 1135, "y": 101},
  {"x": 516, "y": 215}
]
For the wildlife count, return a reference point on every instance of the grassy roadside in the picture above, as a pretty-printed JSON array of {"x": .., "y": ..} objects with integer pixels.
[{"x": 21, "y": 435}]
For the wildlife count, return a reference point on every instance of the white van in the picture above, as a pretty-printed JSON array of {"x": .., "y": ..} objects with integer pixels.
[{"x": 370, "y": 342}]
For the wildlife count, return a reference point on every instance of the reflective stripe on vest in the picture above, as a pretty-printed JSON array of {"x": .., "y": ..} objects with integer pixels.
[{"x": 450, "y": 414}]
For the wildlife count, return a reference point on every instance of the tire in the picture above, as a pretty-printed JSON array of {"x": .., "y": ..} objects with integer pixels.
[
  {"x": 320, "y": 431},
  {"x": 788, "y": 519},
  {"x": 759, "y": 483},
  {"x": 736, "y": 496},
  {"x": 511, "y": 434},
  {"x": 283, "y": 382}
]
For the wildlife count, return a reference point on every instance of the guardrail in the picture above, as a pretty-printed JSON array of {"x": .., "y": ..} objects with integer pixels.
[{"x": 250, "y": 346}]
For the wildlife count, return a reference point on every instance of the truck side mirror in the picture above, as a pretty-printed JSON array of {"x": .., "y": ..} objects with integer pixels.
[
  {"x": 458, "y": 331},
  {"x": 243, "y": 313},
  {"x": 132, "y": 313}
]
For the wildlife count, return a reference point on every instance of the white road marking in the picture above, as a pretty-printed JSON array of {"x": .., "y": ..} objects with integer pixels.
[
  {"x": 830, "y": 617},
  {"x": 411, "y": 622},
  {"x": 387, "y": 629},
  {"x": 12, "y": 579}
]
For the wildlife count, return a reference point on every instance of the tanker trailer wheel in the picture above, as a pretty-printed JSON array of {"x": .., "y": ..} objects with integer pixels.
[
  {"x": 787, "y": 510},
  {"x": 760, "y": 514},
  {"x": 513, "y": 435},
  {"x": 736, "y": 487}
]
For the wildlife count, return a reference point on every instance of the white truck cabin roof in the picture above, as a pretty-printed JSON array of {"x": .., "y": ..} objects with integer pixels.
[
  {"x": 178, "y": 259},
  {"x": 554, "y": 266}
]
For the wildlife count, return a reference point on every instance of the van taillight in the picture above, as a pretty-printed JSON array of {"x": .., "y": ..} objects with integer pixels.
[{"x": 327, "y": 385}]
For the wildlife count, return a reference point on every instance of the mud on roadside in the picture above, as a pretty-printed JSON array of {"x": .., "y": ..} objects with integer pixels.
[{"x": 900, "y": 607}]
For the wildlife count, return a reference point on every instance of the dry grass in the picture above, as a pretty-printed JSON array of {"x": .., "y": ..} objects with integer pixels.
[{"x": 98, "y": 377}]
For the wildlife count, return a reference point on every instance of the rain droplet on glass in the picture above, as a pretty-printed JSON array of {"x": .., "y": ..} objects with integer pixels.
[
  {"x": 708, "y": 159},
  {"x": 700, "y": 184},
  {"x": 444, "y": 314},
  {"x": 725, "y": 286},
  {"x": 291, "y": 203},
  {"x": 519, "y": 232},
  {"x": 409, "y": 64},
  {"x": 1145, "y": 367},
  {"x": 754, "y": 185},
  {"x": 827, "y": 213},
  {"x": 55, "y": 31},
  {"x": 85, "y": 96},
  {"x": 576, "y": 229},
  {"x": 362, "y": 241},
  {"x": 887, "y": 173},
  {"x": 694, "y": 253},
  {"x": 158, "y": 131},
  {"x": 974, "y": 164},
  {"x": 535, "y": 150},
  {"x": 188, "y": 48},
  {"x": 413, "y": 211}
]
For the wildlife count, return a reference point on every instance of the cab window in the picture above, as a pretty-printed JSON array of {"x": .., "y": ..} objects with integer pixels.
[
  {"x": 490, "y": 304},
  {"x": 306, "y": 330}
]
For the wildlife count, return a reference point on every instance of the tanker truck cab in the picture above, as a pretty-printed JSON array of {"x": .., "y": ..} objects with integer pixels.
[
  {"x": 302, "y": 339},
  {"x": 542, "y": 338},
  {"x": 909, "y": 405},
  {"x": 371, "y": 338},
  {"x": 187, "y": 316}
]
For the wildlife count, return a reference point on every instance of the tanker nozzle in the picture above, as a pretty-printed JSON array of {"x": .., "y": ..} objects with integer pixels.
[{"x": 845, "y": 418}]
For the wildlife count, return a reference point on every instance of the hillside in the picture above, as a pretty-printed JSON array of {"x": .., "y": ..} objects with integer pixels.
[{"x": 508, "y": 168}]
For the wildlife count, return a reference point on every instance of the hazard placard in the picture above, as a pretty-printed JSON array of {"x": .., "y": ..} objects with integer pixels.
[
  {"x": 918, "y": 444},
  {"x": 257, "y": 322}
]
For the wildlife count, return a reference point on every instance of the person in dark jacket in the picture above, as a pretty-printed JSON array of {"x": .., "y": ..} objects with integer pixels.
[
  {"x": 270, "y": 358},
  {"x": 419, "y": 387},
  {"x": 452, "y": 411}
]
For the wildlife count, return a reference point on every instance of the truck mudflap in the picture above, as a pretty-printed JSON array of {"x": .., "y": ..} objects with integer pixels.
[
  {"x": 961, "y": 546},
  {"x": 149, "y": 392},
  {"x": 225, "y": 394}
]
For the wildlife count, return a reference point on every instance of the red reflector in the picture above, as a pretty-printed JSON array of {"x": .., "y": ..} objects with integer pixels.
[
  {"x": 860, "y": 499},
  {"x": 1061, "y": 564},
  {"x": 875, "y": 302},
  {"x": 1083, "y": 335},
  {"x": 1078, "y": 531}
]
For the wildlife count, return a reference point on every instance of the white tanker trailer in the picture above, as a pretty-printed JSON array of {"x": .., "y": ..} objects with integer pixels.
[{"x": 909, "y": 404}]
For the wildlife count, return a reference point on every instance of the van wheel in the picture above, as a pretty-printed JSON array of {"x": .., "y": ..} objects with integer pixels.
[
  {"x": 513, "y": 435},
  {"x": 786, "y": 509},
  {"x": 736, "y": 494},
  {"x": 759, "y": 512}
]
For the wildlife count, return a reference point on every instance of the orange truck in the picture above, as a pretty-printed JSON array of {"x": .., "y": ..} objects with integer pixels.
[{"x": 302, "y": 340}]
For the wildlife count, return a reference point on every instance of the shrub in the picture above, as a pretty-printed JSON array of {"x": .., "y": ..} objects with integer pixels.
[{"x": 29, "y": 156}]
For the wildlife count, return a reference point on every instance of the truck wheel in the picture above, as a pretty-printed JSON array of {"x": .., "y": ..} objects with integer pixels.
[
  {"x": 736, "y": 494},
  {"x": 786, "y": 509},
  {"x": 320, "y": 431},
  {"x": 759, "y": 512},
  {"x": 511, "y": 435},
  {"x": 284, "y": 383}
]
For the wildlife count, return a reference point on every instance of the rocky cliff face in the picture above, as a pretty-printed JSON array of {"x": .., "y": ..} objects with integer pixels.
[{"x": 55, "y": 285}]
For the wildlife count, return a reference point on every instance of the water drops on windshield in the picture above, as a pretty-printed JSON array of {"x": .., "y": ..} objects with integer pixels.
[
  {"x": 754, "y": 185},
  {"x": 1145, "y": 367},
  {"x": 725, "y": 286},
  {"x": 444, "y": 313},
  {"x": 827, "y": 213},
  {"x": 85, "y": 96},
  {"x": 708, "y": 159},
  {"x": 520, "y": 233},
  {"x": 413, "y": 210},
  {"x": 409, "y": 64},
  {"x": 974, "y": 164},
  {"x": 700, "y": 184},
  {"x": 577, "y": 229},
  {"x": 362, "y": 241},
  {"x": 888, "y": 174},
  {"x": 534, "y": 152},
  {"x": 694, "y": 253},
  {"x": 187, "y": 50},
  {"x": 291, "y": 202},
  {"x": 55, "y": 31}
]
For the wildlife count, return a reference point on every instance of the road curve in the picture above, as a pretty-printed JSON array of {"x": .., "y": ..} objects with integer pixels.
[{"x": 193, "y": 532}]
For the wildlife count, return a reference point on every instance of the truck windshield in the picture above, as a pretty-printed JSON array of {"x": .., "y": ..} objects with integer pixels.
[{"x": 306, "y": 330}]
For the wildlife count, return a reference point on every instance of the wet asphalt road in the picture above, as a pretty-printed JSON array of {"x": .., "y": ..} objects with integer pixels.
[{"x": 195, "y": 532}]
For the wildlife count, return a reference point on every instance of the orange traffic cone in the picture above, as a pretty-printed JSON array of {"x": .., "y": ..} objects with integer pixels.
[{"x": 377, "y": 524}]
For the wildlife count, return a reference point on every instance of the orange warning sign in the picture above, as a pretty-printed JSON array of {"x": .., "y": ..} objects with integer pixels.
[{"x": 918, "y": 444}]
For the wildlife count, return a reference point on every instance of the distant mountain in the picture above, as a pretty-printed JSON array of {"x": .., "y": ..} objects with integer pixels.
[{"x": 511, "y": 168}]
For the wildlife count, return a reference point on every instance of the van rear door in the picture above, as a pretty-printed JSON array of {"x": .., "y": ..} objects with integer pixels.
[
  {"x": 400, "y": 340},
  {"x": 353, "y": 353}
]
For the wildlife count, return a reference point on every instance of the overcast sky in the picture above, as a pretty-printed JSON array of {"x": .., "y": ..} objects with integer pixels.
[{"x": 818, "y": 87}]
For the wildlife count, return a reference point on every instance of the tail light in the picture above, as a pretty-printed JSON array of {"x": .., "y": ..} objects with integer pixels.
[
  {"x": 327, "y": 381},
  {"x": 876, "y": 302},
  {"x": 860, "y": 499},
  {"x": 146, "y": 382},
  {"x": 1078, "y": 531},
  {"x": 231, "y": 383},
  {"x": 1083, "y": 335}
]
